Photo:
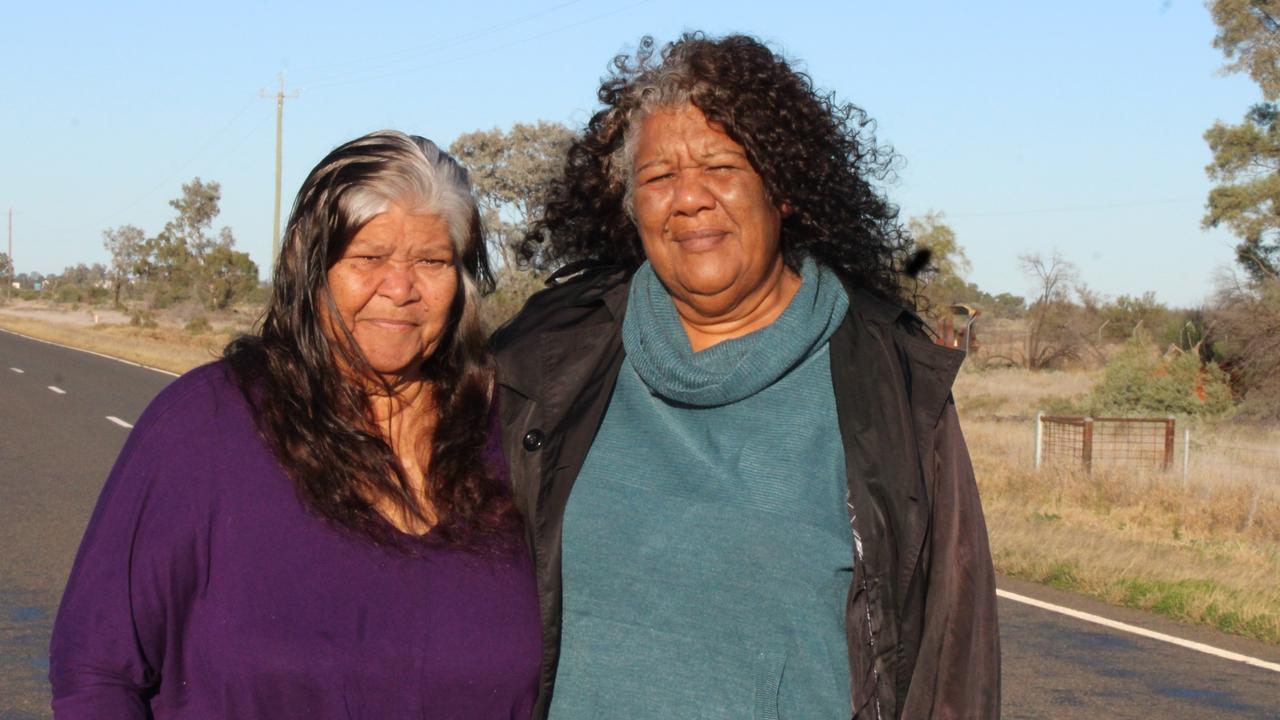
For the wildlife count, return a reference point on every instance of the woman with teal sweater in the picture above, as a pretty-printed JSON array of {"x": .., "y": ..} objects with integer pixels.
[{"x": 746, "y": 489}]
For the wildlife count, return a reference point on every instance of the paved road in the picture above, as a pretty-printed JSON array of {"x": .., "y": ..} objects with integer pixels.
[
  {"x": 57, "y": 447},
  {"x": 55, "y": 450}
]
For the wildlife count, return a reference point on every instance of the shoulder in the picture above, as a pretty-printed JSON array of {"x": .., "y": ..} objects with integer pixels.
[
  {"x": 900, "y": 335},
  {"x": 190, "y": 419},
  {"x": 172, "y": 463},
  {"x": 569, "y": 299},
  {"x": 194, "y": 398},
  {"x": 890, "y": 315}
]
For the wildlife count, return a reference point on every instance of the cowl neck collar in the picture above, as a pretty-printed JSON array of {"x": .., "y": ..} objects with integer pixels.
[{"x": 658, "y": 347}]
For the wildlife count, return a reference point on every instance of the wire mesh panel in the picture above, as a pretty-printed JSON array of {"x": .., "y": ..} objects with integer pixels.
[
  {"x": 1144, "y": 442},
  {"x": 1061, "y": 439}
]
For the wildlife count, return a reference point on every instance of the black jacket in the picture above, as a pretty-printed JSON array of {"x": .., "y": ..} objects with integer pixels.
[{"x": 920, "y": 620}]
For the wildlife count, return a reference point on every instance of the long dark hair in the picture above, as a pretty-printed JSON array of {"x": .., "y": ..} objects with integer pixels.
[
  {"x": 317, "y": 418},
  {"x": 818, "y": 155}
]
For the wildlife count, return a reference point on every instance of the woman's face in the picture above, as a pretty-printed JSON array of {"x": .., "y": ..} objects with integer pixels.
[
  {"x": 702, "y": 212},
  {"x": 393, "y": 287}
]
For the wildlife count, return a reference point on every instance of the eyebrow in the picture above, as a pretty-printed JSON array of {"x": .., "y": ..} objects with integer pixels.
[{"x": 702, "y": 156}]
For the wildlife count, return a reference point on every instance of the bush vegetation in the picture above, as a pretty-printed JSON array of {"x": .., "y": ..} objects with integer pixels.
[{"x": 1138, "y": 381}]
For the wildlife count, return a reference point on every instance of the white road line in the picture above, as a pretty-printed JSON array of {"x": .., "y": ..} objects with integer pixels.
[
  {"x": 118, "y": 421},
  {"x": 1126, "y": 627},
  {"x": 18, "y": 370},
  {"x": 90, "y": 352},
  {"x": 57, "y": 389}
]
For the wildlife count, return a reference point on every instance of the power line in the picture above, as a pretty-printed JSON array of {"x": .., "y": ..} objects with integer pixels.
[
  {"x": 478, "y": 53},
  {"x": 204, "y": 147},
  {"x": 1075, "y": 208},
  {"x": 437, "y": 46}
]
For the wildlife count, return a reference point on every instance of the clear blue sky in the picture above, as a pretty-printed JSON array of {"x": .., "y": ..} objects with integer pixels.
[{"x": 1034, "y": 127}]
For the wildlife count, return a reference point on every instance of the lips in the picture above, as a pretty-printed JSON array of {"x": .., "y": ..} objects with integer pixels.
[
  {"x": 699, "y": 239},
  {"x": 392, "y": 324}
]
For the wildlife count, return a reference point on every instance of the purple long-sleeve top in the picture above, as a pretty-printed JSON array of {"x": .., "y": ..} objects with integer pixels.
[{"x": 205, "y": 589}]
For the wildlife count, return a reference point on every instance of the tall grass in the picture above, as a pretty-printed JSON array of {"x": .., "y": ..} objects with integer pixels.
[{"x": 1202, "y": 549}]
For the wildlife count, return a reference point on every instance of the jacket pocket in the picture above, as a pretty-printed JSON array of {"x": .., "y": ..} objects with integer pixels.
[{"x": 769, "y": 666}]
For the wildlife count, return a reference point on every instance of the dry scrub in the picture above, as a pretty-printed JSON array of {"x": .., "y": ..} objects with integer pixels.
[
  {"x": 163, "y": 347},
  {"x": 1207, "y": 551}
]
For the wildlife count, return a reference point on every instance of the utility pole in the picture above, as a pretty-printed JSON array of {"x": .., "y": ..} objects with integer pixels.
[{"x": 280, "y": 97}]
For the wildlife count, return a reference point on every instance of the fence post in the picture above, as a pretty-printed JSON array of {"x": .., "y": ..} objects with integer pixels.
[
  {"x": 1086, "y": 445},
  {"x": 1253, "y": 507},
  {"x": 1168, "y": 444},
  {"x": 1186, "y": 455},
  {"x": 1039, "y": 438}
]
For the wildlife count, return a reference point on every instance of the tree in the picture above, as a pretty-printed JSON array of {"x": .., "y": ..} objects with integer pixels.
[
  {"x": 6, "y": 271},
  {"x": 1052, "y": 335},
  {"x": 197, "y": 207},
  {"x": 174, "y": 260},
  {"x": 1246, "y": 166},
  {"x": 1244, "y": 333},
  {"x": 946, "y": 258},
  {"x": 510, "y": 172},
  {"x": 127, "y": 245},
  {"x": 225, "y": 275},
  {"x": 1246, "y": 157},
  {"x": 940, "y": 283},
  {"x": 1125, "y": 316},
  {"x": 1249, "y": 36}
]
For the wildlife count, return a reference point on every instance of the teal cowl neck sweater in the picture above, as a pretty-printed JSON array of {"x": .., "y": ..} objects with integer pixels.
[
  {"x": 659, "y": 350},
  {"x": 706, "y": 548}
]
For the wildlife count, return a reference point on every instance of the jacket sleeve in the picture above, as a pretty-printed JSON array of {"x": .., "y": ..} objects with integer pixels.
[
  {"x": 120, "y": 607},
  {"x": 957, "y": 673}
]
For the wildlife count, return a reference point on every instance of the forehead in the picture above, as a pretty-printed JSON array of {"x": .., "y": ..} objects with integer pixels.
[
  {"x": 684, "y": 129},
  {"x": 400, "y": 226}
]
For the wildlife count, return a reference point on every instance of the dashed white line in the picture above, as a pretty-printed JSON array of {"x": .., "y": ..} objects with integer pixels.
[
  {"x": 57, "y": 389},
  {"x": 118, "y": 421},
  {"x": 17, "y": 370},
  {"x": 1126, "y": 627}
]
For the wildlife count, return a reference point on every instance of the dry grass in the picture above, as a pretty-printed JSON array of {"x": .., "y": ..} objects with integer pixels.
[
  {"x": 163, "y": 347},
  {"x": 1015, "y": 392},
  {"x": 1204, "y": 550}
]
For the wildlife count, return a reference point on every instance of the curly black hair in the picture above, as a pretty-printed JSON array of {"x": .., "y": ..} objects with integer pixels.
[{"x": 817, "y": 154}]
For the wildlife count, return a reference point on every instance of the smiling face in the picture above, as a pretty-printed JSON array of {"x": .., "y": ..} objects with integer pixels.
[
  {"x": 393, "y": 288},
  {"x": 704, "y": 215}
]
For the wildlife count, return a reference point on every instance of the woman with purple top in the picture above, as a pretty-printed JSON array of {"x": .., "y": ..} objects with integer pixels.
[{"x": 320, "y": 524}]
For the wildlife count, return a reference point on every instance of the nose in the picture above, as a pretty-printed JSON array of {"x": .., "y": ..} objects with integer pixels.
[
  {"x": 691, "y": 193},
  {"x": 397, "y": 283}
]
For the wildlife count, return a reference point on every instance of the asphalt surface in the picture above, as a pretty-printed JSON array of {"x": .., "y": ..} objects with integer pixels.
[{"x": 56, "y": 449}]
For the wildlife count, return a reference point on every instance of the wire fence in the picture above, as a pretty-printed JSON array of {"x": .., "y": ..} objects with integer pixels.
[
  {"x": 1237, "y": 458},
  {"x": 1151, "y": 443},
  {"x": 1145, "y": 442}
]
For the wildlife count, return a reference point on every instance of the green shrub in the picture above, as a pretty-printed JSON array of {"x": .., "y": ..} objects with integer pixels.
[
  {"x": 1137, "y": 380},
  {"x": 198, "y": 324},
  {"x": 68, "y": 294}
]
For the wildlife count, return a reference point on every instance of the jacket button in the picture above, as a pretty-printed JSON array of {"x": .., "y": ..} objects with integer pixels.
[{"x": 533, "y": 440}]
